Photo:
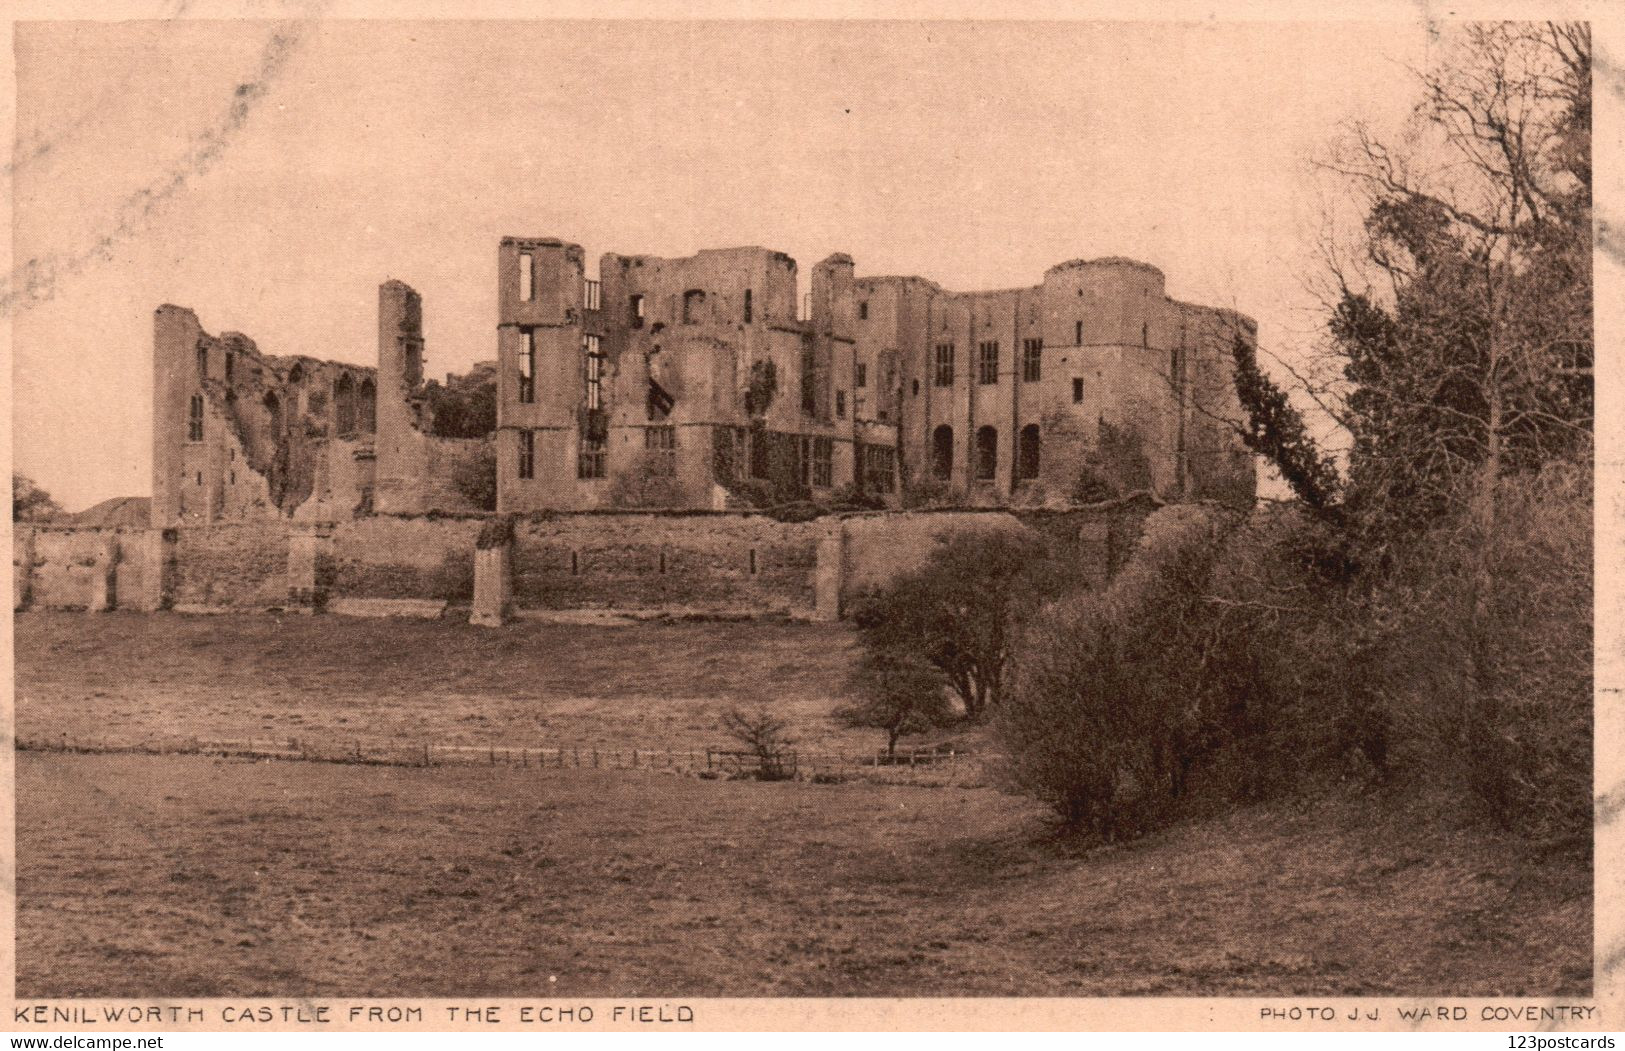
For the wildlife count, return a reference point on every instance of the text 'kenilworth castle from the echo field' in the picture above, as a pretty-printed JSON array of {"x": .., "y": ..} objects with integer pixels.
[{"x": 697, "y": 383}]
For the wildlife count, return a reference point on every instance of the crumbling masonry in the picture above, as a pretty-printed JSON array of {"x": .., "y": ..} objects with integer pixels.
[
  {"x": 701, "y": 383},
  {"x": 238, "y": 434},
  {"x": 677, "y": 382}
]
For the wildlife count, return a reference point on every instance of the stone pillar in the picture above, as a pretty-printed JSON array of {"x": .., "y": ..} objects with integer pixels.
[
  {"x": 152, "y": 548},
  {"x": 492, "y": 584},
  {"x": 493, "y": 574},
  {"x": 306, "y": 547},
  {"x": 103, "y": 585},
  {"x": 830, "y": 575},
  {"x": 22, "y": 566}
]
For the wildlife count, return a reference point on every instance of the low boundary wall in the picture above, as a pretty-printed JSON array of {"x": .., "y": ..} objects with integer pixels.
[{"x": 641, "y": 563}]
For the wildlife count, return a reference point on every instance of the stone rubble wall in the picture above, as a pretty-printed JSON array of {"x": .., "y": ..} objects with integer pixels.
[{"x": 651, "y": 563}]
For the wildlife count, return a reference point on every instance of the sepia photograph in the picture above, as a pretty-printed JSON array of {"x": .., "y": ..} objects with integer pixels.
[{"x": 600, "y": 516}]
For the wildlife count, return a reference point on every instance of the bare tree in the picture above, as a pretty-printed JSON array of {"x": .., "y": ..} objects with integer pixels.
[
  {"x": 1462, "y": 321},
  {"x": 1463, "y": 332},
  {"x": 766, "y": 736}
]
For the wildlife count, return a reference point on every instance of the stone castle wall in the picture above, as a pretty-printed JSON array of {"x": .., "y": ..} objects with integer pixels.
[{"x": 705, "y": 563}]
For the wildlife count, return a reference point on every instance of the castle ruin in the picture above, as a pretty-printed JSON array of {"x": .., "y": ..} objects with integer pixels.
[{"x": 702, "y": 383}]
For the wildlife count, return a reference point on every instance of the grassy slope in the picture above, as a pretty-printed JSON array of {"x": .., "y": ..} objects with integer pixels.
[
  {"x": 131, "y": 677},
  {"x": 187, "y": 876}
]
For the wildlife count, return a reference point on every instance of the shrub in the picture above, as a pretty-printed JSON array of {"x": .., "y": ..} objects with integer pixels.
[
  {"x": 850, "y": 498},
  {"x": 766, "y": 736},
  {"x": 764, "y": 384},
  {"x": 928, "y": 492},
  {"x": 645, "y": 484},
  {"x": 1115, "y": 465},
  {"x": 796, "y": 511},
  {"x": 1103, "y": 718},
  {"x": 1494, "y": 690},
  {"x": 1287, "y": 697},
  {"x": 898, "y": 694},
  {"x": 1282, "y": 656},
  {"x": 1392, "y": 666},
  {"x": 756, "y": 492},
  {"x": 1092, "y": 486},
  {"x": 474, "y": 476}
]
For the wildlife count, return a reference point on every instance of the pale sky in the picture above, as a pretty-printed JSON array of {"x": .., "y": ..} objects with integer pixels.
[{"x": 270, "y": 176}]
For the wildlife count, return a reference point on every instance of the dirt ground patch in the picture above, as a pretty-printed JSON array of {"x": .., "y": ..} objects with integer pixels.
[
  {"x": 186, "y": 876},
  {"x": 128, "y": 677}
]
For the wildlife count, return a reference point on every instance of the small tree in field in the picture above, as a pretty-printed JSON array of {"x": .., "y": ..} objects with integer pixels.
[
  {"x": 897, "y": 694},
  {"x": 956, "y": 613},
  {"x": 765, "y": 735}
]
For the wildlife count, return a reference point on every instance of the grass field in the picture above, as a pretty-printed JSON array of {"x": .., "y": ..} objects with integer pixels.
[
  {"x": 128, "y": 677},
  {"x": 187, "y": 876},
  {"x": 192, "y": 876}
]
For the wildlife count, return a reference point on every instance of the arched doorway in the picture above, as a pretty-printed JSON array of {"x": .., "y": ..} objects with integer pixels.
[
  {"x": 987, "y": 453},
  {"x": 942, "y": 452},
  {"x": 273, "y": 409},
  {"x": 367, "y": 406},
  {"x": 1027, "y": 452}
]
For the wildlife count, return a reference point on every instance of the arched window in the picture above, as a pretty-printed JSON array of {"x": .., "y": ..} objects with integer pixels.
[
  {"x": 274, "y": 409},
  {"x": 297, "y": 374},
  {"x": 366, "y": 407},
  {"x": 344, "y": 405},
  {"x": 1027, "y": 452},
  {"x": 942, "y": 451},
  {"x": 693, "y": 305},
  {"x": 987, "y": 453}
]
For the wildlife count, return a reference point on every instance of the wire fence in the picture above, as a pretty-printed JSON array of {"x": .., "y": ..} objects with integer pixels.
[{"x": 920, "y": 766}]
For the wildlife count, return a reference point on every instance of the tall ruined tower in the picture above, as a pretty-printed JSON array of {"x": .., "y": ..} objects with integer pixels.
[
  {"x": 179, "y": 359},
  {"x": 399, "y": 449},
  {"x": 541, "y": 325}
]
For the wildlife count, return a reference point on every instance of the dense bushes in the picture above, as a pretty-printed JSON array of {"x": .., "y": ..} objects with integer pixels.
[
  {"x": 1493, "y": 691},
  {"x": 1235, "y": 661},
  {"x": 1422, "y": 613},
  {"x": 1102, "y": 720}
]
